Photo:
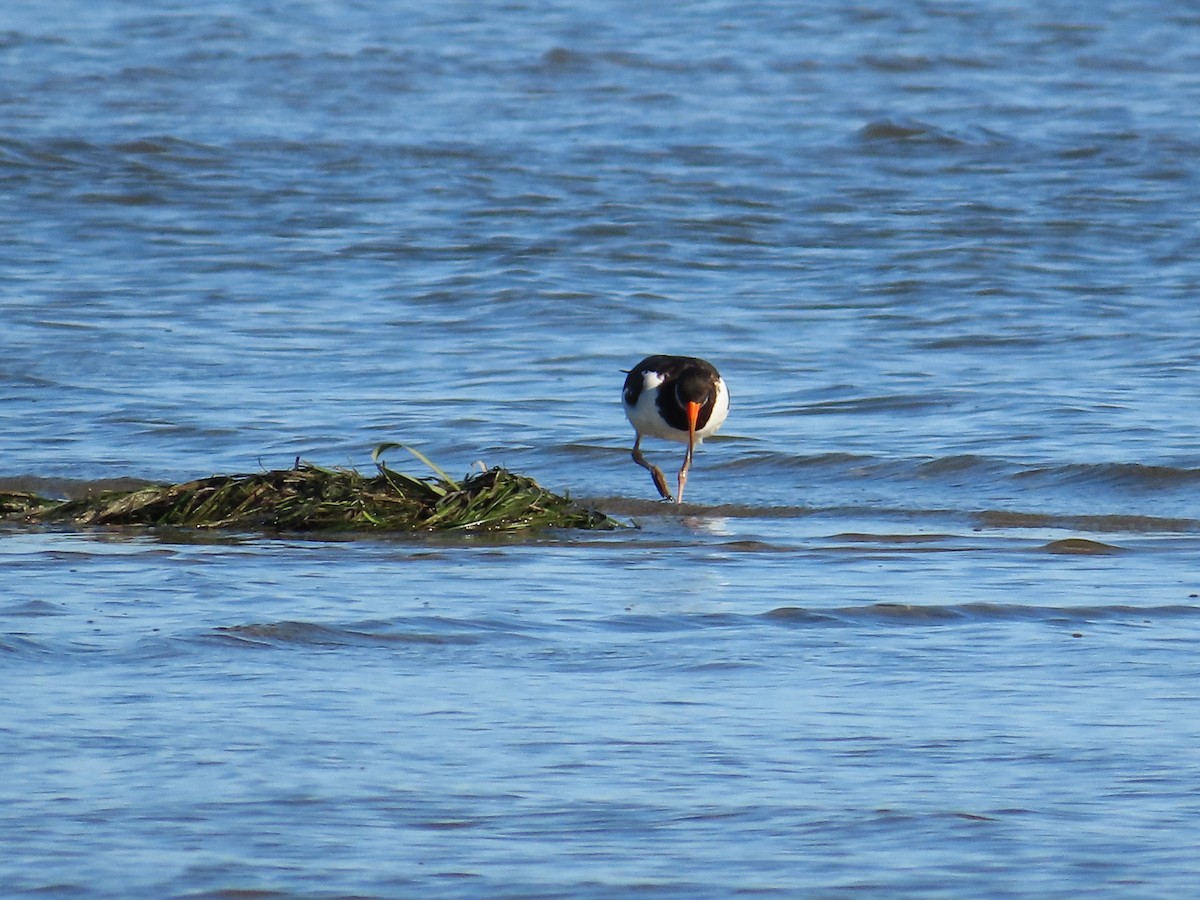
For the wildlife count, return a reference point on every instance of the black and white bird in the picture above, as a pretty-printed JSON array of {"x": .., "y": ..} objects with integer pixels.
[{"x": 678, "y": 398}]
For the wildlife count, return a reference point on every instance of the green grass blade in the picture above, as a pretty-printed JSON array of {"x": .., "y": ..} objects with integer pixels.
[{"x": 437, "y": 470}]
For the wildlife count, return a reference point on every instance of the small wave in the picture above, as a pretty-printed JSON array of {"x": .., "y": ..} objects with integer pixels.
[
  {"x": 1133, "y": 524},
  {"x": 559, "y": 60},
  {"x": 940, "y": 517},
  {"x": 19, "y": 645},
  {"x": 883, "y": 403},
  {"x": 33, "y": 609},
  {"x": 777, "y": 459},
  {"x": 917, "y": 614},
  {"x": 894, "y": 132},
  {"x": 857, "y": 537},
  {"x": 124, "y": 198},
  {"x": 1081, "y": 547},
  {"x": 309, "y": 634},
  {"x": 901, "y": 615},
  {"x": 958, "y": 464},
  {"x": 1133, "y": 476},
  {"x": 900, "y": 63},
  {"x": 635, "y": 507},
  {"x": 624, "y": 59},
  {"x": 147, "y": 158},
  {"x": 955, "y": 469},
  {"x": 890, "y": 131},
  {"x": 425, "y": 630},
  {"x": 976, "y": 341}
]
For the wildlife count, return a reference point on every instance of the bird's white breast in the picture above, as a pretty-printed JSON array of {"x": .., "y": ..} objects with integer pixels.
[
  {"x": 645, "y": 418},
  {"x": 720, "y": 411}
]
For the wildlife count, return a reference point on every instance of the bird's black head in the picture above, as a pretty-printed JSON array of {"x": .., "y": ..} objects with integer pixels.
[{"x": 694, "y": 387}]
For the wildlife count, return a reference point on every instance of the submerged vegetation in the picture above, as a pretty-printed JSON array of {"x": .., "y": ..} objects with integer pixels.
[{"x": 313, "y": 498}]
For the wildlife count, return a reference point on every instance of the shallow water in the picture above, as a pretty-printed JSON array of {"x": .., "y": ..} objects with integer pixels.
[{"x": 929, "y": 625}]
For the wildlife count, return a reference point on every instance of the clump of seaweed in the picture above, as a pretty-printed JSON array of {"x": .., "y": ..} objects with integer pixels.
[
  {"x": 314, "y": 498},
  {"x": 22, "y": 503}
]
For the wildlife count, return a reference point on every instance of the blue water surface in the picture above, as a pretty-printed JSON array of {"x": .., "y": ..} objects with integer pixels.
[{"x": 928, "y": 626}]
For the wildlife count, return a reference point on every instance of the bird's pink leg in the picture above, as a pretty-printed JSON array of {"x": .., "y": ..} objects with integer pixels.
[
  {"x": 683, "y": 473},
  {"x": 693, "y": 410},
  {"x": 660, "y": 480}
]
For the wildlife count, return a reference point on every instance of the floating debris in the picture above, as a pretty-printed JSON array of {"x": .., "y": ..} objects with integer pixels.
[{"x": 313, "y": 498}]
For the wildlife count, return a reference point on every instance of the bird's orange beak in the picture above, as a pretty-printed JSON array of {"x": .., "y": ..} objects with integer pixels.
[{"x": 693, "y": 412}]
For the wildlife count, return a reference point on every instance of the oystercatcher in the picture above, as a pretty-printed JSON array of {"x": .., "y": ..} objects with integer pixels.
[{"x": 679, "y": 398}]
